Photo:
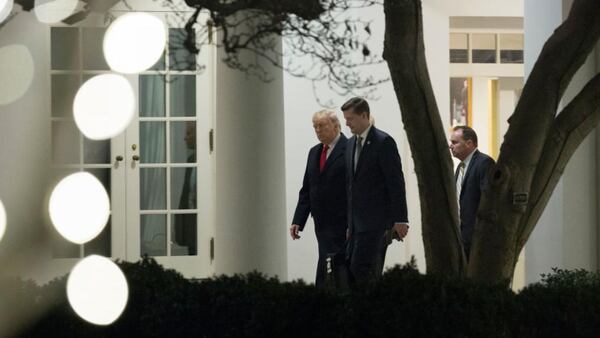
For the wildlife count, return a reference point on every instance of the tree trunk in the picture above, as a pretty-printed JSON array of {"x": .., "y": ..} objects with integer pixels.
[
  {"x": 529, "y": 166},
  {"x": 405, "y": 55}
]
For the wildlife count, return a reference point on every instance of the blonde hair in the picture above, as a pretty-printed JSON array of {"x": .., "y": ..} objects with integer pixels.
[{"x": 331, "y": 115}]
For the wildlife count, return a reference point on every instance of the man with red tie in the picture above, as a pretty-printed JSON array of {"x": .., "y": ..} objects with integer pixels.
[{"x": 323, "y": 192}]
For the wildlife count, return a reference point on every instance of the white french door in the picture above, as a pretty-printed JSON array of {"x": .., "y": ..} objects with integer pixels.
[{"x": 159, "y": 173}]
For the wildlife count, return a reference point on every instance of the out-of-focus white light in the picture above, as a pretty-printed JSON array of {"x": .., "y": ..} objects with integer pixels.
[
  {"x": 104, "y": 106},
  {"x": 16, "y": 72},
  {"x": 55, "y": 10},
  {"x": 134, "y": 42},
  {"x": 5, "y": 9},
  {"x": 97, "y": 290},
  {"x": 2, "y": 220},
  {"x": 79, "y": 207}
]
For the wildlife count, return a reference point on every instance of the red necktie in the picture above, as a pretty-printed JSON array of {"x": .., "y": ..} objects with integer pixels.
[{"x": 323, "y": 157}]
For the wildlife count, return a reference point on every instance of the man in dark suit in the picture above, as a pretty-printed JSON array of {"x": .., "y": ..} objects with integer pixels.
[
  {"x": 470, "y": 178},
  {"x": 323, "y": 192},
  {"x": 376, "y": 193}
]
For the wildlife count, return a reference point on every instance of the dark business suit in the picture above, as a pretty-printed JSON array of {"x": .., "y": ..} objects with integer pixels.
[
  {"x": 376, "y": 200},
  {"x": 470, "y": 194},
  {"x": 323, "y": 195}
]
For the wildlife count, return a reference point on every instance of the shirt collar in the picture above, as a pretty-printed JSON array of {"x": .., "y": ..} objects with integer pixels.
[
  {"x": 365, "y": 133},
  {"x": 468, "y": 159},
  {"x": 335, "y": 141}
]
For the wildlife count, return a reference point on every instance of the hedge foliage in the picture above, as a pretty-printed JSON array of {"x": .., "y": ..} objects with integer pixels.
[{"x": 403, "y": 303}]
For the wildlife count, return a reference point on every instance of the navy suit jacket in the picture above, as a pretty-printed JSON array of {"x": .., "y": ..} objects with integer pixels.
[
  {"x": 376, "y": 192},
  {"x": 323, "y": 194},
  {"x": 470, "y": 193}
]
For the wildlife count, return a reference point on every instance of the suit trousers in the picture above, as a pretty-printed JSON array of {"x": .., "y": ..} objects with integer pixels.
[
  {"x": 366, "y": 254},
  {"x": 329, "y": 244}
]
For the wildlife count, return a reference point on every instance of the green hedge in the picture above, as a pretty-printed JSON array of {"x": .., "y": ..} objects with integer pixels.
[{"x": 403, "y": 303}]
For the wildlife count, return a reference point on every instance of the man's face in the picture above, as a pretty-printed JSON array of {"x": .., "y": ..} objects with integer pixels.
[
  {"x": 459, "y": 147},
  {"x": 356, "y": 122},
  {"x": 325, "y": 129}
]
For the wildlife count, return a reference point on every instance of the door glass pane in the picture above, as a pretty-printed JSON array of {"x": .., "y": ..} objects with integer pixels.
[
  {"x": 153, "y": 188},
  {"x": 103, "y": 175},
  {"x": 179, "y": 57},
  {"x": 93, "y": 55},
  {"x": 152, "y": 95},
  {"x": 183, "y": 95},
  {"x": 64, "y": 48},
  {"x": 160, "y": 64},
  {"x": 183, "y": 235},
  {"x": 96, "y": 152},
  {"x": 64, "y": 88},
  {"x": 101, "y": 244},
  {"x": 183, "y": 142},
  {"x": 152, "y": 142},
  {"x": 183, "y": 188},
  {"x": 65, "y": 142},
  {"x": 153, "y": 233}
]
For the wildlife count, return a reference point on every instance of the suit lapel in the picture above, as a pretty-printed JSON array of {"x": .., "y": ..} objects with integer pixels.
[
  {"x": 469, "y": 170},
  {"x": 338, "y": 150},
  {"x": 350, "y": 157},
  {"x": 365, "y": 149}
]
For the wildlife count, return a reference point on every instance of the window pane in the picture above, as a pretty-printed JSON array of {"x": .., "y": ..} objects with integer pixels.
[
  {"x": 96, "y": 152},
  {"x": 93, "y": 55},
  {"x": 100, "y": 245},
  {"x": 153, "y": 188},
  {"x": 183, "y": 95},
  {"x": 459, "y": 56},
  {"x": 152, "y": 142},
  {"x": 511, "y": 48},
  {"x": 179, "y": 57},
  {"x": 459, "y": 41},
  {"x": 153, "y": 235},
  {"x": 484, "y": 48},
  {"x": 64, "y": 88},
  {"x": 152, "y": 95},
  {"x": 65, "y": 143},
  {"x": 64, "y": 48},
  {"x": 183, "y": 235},
  {"x": 183, "y": 188},
  {"x": 183, "y": 142}
]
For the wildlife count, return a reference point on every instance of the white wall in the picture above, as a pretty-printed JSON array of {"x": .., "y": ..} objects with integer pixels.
[{"x": 567, "y": 233}]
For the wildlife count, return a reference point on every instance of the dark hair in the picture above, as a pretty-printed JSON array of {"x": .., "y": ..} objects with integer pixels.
[
  {"x": 358, "y": 106},
  {"x": 468, "y": 133}
]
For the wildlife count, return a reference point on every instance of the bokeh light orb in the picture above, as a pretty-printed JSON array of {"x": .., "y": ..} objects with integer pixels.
[
  {"x": 54, "y": 11},
  {"x": 2, "y": 220},
  {"x": 16, "y": 72},
  {"x": 79, "y": 207},
  {"x": 6, "y": 7},
  {"x": 104, "y": 106},
  {"x": 134, "y": 42},
  {"x": 97, "y": 290}
]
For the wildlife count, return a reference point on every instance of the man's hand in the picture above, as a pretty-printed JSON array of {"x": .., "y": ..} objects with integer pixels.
[
  {"x": 401, "y": 229},
  {"x": 294, "y": 229}
]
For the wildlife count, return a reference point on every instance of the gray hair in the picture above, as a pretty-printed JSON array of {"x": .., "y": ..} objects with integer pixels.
[{"x": 331, "y": 115}]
